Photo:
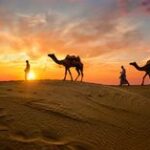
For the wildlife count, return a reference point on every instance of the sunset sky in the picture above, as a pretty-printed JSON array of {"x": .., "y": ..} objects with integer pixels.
[{"x": 104, "y": 33}]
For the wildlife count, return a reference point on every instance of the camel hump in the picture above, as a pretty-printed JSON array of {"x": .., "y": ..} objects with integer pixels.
[
  {"x": 148, "y": 62},
  {"x": 73, "y": 58},
  {"x": 78, "y": 58}
]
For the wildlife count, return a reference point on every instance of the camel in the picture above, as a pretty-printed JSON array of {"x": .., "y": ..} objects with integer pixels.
[
  {"x": 145, "y": 68},
  {"x": 68, "y": 62}
]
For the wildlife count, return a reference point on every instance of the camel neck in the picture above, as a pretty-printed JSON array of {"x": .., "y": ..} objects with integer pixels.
[
  {"x": 54, "y": 58},
  {"x": 138, "y": 67}
]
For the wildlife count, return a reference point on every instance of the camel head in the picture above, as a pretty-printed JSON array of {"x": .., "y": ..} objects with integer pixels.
[
  {"x": 51, "y": 55},
  {"x": 133, "y": 63}
]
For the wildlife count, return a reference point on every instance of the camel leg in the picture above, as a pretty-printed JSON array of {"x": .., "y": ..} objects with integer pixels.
[
  {"x": 70, "y": 74},
  {"x": 81, "y": 75},
  {"x": 144, "y": 78},
  {"x": 78, "y": 74},
  {"x": 65, "y": 74}
]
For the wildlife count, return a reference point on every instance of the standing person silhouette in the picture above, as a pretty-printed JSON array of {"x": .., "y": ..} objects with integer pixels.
[
  {"x": 27, "y": 69},
  {"x": 123, "y": 78}
]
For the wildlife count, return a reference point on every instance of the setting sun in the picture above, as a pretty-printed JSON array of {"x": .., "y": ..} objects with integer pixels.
[{"x": 31, "y": 76}]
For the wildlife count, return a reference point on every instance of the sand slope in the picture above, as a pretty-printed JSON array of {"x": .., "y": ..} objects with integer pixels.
[{"x": 57, "y": 115}]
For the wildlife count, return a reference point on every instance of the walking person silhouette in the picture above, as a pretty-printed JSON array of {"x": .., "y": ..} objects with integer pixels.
[
  {"x": 123, "y": 78},
  {"x": 27, "y": 70}
]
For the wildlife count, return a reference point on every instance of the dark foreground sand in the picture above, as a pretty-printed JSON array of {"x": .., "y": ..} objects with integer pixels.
[{"x": 57, "y": 115}]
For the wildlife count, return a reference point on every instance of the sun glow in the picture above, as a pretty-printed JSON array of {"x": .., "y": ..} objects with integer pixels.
[{"x": 31, "y": 76}]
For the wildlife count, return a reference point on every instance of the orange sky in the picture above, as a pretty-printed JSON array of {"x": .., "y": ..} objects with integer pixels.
[
  {"x": 105, "y": 34},
  {"x": 99, "y": 73}
]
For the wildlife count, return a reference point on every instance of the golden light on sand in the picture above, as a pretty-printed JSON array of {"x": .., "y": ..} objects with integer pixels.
[{"x": 31, "y": 76}]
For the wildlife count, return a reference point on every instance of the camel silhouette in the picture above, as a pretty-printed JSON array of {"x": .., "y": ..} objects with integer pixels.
[
  {"x": 145, "y": 68},
  {"x": 68, "y": 62}
]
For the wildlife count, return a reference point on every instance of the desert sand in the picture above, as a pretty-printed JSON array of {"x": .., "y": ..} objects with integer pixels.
[{"x": 57, "y": 115}]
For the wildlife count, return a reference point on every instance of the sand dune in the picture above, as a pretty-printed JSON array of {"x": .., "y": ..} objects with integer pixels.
[{"x": 57, "y": 115}]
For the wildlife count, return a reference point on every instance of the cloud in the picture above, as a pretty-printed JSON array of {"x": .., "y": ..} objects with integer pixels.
[
  {"x": 74, "y": 1},
  {"x": 146, "y": 5},
  {"x": 92, "y": 36},
  {"x": 123, "y": 5},
  {"x": 6, "y": 19},
  {"x": 134, "y": 7},
  {"x": 60, "y": 1}
]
